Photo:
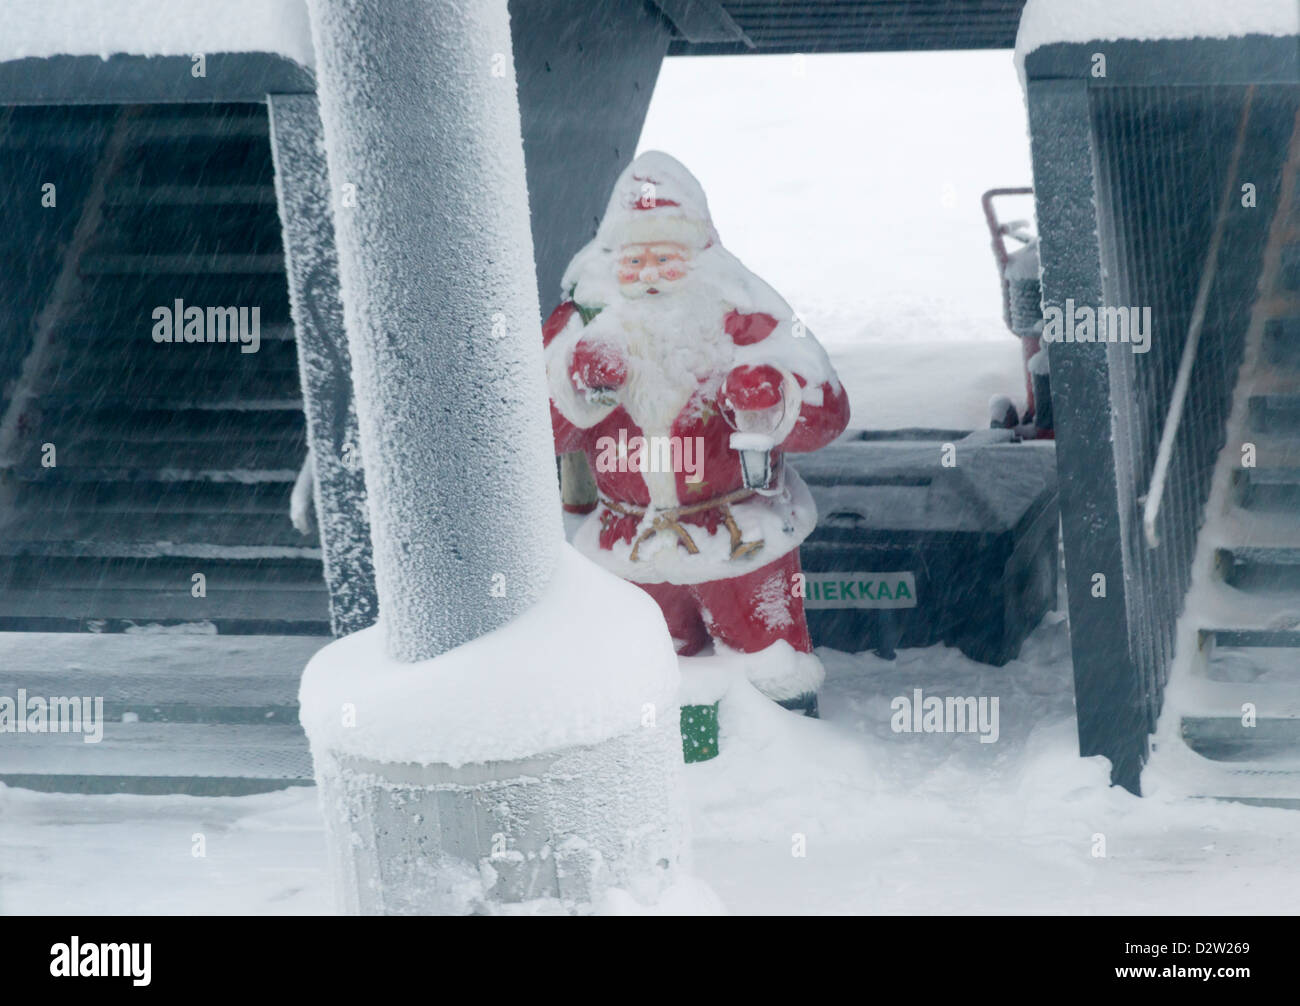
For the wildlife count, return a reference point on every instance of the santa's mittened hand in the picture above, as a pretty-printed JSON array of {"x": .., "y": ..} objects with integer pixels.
[
  {"x": 753, "y": 388},
  {"x": 597, "y": 366}
]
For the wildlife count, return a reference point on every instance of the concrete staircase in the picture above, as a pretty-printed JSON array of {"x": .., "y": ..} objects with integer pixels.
[
  {"x": 173, "y": 463},
  {"x": 1231, "y": 727}
]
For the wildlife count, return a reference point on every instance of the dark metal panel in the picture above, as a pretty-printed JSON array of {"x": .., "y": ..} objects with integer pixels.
[
  {"x": 127, "y": 80},
  {"x": 1254, "y": 59},
  {"x": 1145, "y": 153},
  {"x": 702, "y": 21},
  {"x": 586, "y": 72},
  {"x": 777, "y": 26},
  {"x": 1108, "y": 690},
  {"x": 1164, "y": 157}
]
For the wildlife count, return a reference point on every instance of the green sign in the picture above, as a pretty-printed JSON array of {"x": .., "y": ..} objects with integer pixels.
[{"x": 859, "y": 590}]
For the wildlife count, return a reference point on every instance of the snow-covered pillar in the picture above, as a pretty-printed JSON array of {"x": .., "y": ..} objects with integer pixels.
[
  {"x": 459, "y": 765},
  {"x": 435, "y": 258},
  {"x": 324, "y": 364}
]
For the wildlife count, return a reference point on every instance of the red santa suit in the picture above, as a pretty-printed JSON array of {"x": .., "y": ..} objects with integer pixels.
[{"x": 664, "y": 349}]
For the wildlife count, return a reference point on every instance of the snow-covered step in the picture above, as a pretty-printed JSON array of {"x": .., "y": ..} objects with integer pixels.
[
  {"x": 194, "y": 425},
  {"x": 1269, "y": 700},
  {"x": 171, "y": 400},
  {"x": 161, "y": 229},
  {"x": 191, "y": 195},
  {"x": 183, "y": 265},
  {"x": 183, "y": 711},
  {"x": 73, "y": 336},
  {"x": 144, "y": 497},
  {"x": 1282, "y": 341},
  {"x": 164, "y": 677},
  {"x": 1268, "y": 489},
  {"x": 137, "y": 350},
  {"x": 1259, "y": 638},
  {"x": 170, "y": 128},
  {"x": 1261, "y": 569},
  {"x": 1181, "y": 770},
  {"x": 62, "y": 134},
  {"x": 1275, "y": 741},
  {"x": 1275, "y": 414},
  {"x": 108, "y": 473},
  {"x": 1261, "y": 528},
  {"x": 1256, "y": 784},
  {"x": 124, "y": 301},
  {"x": 170, "y": 454},
  {"x": 114, "y": 609},
  {"x": 257, "y": 396},
  {"x": 1290, "y": 268},
  {"x": 236, "y": 529},
  {"x": 137, "y": 757},
  {"x": 179, "y": 666},
  {"x": 1247, "y": 660},
  {"x": 244, "y": 377},
  {"x": 267, "y": 571},
  {"x": 127, "y": 549}
]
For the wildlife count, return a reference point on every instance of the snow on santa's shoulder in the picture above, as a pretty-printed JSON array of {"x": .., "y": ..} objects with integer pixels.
[
  {"x": 579, "y": 667},
  {"x": 38, "y": 28},
  {"x": 1046, "y": 21}
]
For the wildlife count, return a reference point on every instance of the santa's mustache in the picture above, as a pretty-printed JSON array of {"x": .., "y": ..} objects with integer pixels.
[{"x": 652, "y": 288}]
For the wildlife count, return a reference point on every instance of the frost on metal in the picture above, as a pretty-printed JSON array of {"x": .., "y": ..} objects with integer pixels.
[
  {"x": 1046, "y": 21},
  {"x": 303, "y": 193},
  {"x": 435, "y": 261}
]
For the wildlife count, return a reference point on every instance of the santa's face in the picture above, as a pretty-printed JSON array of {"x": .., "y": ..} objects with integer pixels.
[{"x": 652, "y": 269}]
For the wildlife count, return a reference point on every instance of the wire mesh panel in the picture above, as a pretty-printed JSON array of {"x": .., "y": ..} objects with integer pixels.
[{"x": 1156, "y": 162}]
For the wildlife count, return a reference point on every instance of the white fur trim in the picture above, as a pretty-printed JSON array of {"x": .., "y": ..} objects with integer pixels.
[
  {"x": 782, "y": 521},
  {"x": 558, "y": 357},
  {"x": 658, "y": 225},
  {"x": 781, "y": 672}
]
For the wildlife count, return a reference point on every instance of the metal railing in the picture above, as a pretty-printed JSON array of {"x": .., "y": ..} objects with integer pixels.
[{"x": 1183, "y": 381}]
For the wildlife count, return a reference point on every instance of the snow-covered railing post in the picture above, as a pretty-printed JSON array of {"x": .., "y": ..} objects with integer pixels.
[
  {"x": 311, "y": 263},
  {"x": 508, "y": 731}
]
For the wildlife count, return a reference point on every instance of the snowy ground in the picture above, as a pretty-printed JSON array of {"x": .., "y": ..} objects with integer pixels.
[
  {"x": 893, "y": 823},
  {"x": 854, "y": 189}
]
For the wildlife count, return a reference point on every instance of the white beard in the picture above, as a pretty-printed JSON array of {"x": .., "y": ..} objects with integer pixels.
[{"x": 674, "y": 344}]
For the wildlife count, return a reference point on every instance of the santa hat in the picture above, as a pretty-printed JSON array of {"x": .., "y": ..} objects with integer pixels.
[{"x": 656, "y": 199}]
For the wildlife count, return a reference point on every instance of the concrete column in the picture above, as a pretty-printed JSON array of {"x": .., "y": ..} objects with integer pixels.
[
  {"x": 311, "y": 259},
  {"x": 421, "y": 118},
  {"x": 436, "y": 265}
]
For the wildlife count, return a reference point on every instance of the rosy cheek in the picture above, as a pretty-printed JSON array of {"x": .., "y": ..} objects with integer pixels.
[
  {"x": 670, "y": 272},
  {"x": 626, "y": 276}
]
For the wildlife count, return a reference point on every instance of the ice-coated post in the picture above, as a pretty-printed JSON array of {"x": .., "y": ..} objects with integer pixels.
[
  {"x": 430, "y": 804},
  {"x": 426, "y": 163},
  {"x": 311, "y": 261}
]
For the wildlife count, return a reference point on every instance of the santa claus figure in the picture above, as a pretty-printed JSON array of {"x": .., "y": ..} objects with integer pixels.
[{"x": 685, "y": 379}]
